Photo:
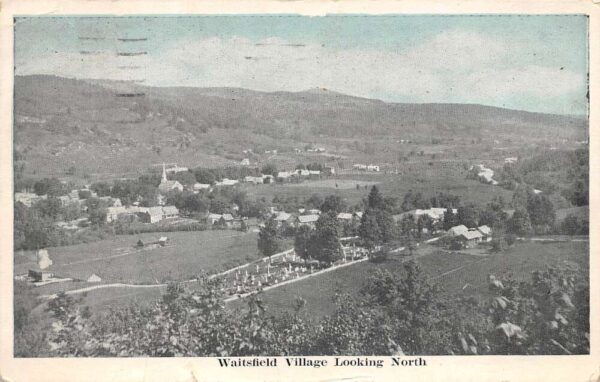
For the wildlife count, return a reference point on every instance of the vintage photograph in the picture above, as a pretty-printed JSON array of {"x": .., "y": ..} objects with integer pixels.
[{"x": 286, "y": 185}]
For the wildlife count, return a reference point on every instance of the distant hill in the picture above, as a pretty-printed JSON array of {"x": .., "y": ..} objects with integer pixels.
[{"x": 106, "y": 125}]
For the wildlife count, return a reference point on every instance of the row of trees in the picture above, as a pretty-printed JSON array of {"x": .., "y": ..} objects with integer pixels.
[{"x": 393, "y": 314}]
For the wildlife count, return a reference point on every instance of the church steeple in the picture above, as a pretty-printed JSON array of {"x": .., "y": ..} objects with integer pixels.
[{"x": 164, "y": 174}]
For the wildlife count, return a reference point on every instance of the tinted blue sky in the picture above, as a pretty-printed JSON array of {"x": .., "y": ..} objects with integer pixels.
[{"x": 536, "y": 63}]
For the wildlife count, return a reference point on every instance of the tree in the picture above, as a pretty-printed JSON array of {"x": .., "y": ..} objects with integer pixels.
[
  {"x": 333, "y": 203},
  {"x": 572, "y": 225},
  {"x": 326, "y": 245},
  {"x": 96, "y": 211},
  {"x": 205, "y": 176},
  {"x": 520, "y": 224},
  {"x": 50, "y": 187},
  {"x": 541, "y": 212},
  {"x": 369, "y": 230},
  {"x": 269, "y": 169},
  {"x": 303, "y": 242},
  {"x": 450, "y": 219},
  {"x": 375, "y": 200},
  {"x": 467, "y": 215},
  {"x": 268, "y": 240},
  {"x": 187, "y": 178},
  {"x": 314, "y": 201}
]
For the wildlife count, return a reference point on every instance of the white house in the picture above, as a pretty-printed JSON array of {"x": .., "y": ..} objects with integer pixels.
[
  {"x": 486, "y": 232},
  {"x": 345, "y": 216},
  {"x": 458, "y": 230},
  {"x": 307, "y": 220},
  {"x": 373, "y": 167},
  {"x": 28, "y": 198},
  {"x": 201, "y": 186}
]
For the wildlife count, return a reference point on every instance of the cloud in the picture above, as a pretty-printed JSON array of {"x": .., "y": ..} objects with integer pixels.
[{"x": 454, "y": 66}]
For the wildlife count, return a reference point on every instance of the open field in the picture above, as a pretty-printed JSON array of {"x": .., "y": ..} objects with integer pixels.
[
  {"x": 117, "y": 260},
  {"x": 429, "y": 180},
  {"x": 455, "y": 274},
  {"x": 340, "y": 184}
]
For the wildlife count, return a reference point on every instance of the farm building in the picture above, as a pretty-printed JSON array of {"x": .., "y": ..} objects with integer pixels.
[
  {"x": 284, "y": 174},
  {"x": 213, "y": 218},
  {"x": 314, "y": 211},
  {"x": 470, "y": 239},
  {"x": 373, "y": 167},
  {"x": 38, "y": 275},
  {"x": 486, "y": 232},
  {"x": 245, "y": 162},
  {"x": 156, "y": 214},
  {"x": 113, "y": 213},
  {"x": 307, "y": 220},
  {"x": 457, "y": 230},
  {"x": 163, "y": 240}
]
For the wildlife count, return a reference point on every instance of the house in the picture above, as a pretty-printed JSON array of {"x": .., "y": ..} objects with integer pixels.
[
  {"x": 329, "y": 170},
  {"x": 254, "y": 179},
  {"x": 226, "y": 219},
  {"x": 227, "y": 182},
  {"x": 112, "y": 213},
  {"x": 163, "y": 241},
  {"x": 486, "y": 232},
  {"x": 282, "y": 217},
  {"x": 245, "y": 162},
  {"x": 301, "y": 172},
  {"x": 359, "y": 214},
  {"x": 359, "y": 166},
  {"x": 373, "y": 167},
  {"x": 436, "y": 214},
  {"x": 511, "y": 160},
  {"x": 485, "y": 174},
  {"x": 112, "y": 202},
  {"x": 345, "y": 216},
  {"x": 268, "y": 179},
  {"x": 38, "y": 275},
  {"x": 213, "y": 218},
  {"x": 314, "y": 172},
  {"x": 470, "y": 238},
  {"x": 170, "y": 212},
  {"x": 28, "y": 198},
  {"x": 176, "y": 169},
  {"x": 284, "y": 174},
  {"x": 314, "y": 212},
  {"x": 307, "y": 220},
  {"x": 200, "y": 186},
  {"x": 457, "y": 230}
]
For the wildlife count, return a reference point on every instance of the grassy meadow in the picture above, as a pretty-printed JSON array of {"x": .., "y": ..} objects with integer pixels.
[{"x": 455, "y": 274}]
